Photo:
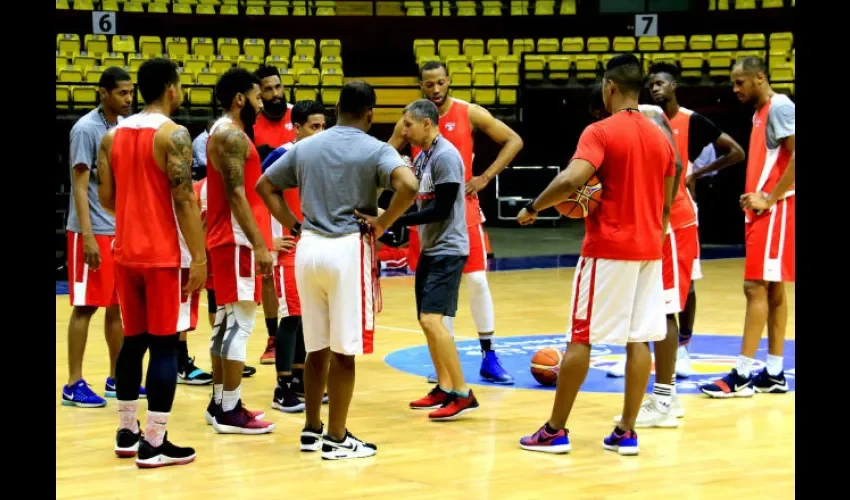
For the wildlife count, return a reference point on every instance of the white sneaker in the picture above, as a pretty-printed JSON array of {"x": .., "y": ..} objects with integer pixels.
[
  {"x": 676, "y": 407},
  {"x": 618, "y": 370},
  {"x": 311, "y": 440},
  {"x": 653, "y": 414},
  {"x": 683, "y": 363},
  {"x": 350, "y": 447}
]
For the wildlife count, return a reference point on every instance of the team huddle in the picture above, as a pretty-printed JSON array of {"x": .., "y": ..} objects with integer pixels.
[{"x": 270, "y": 221}]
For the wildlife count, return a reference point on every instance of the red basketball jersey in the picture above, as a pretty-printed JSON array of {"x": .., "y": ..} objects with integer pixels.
[
  {"x": 222, "y": 227},
  {"x": 274, "y": 133},
  {"x": 682, "y": 213},
  {"x": 146, "y": 230},
  {"x": 765, "y": 166}
]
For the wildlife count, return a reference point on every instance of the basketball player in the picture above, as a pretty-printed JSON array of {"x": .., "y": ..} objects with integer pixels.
[
  {"x": 693, "y": 132},
  {"x": 90, "y": 232},
  {"x": 444, "y": 238},
  {"x": 769, "y": 205},
  {"x": 308, "y": 118},
  {"x": 145, "y": 167},
  {"x": 617, "y": 289},
  {"x": 335, "y": 265},
  {"x": 458, "y": 121},
  {"x": 273, "y": 129},
  {"x": 238, "y": 239}
]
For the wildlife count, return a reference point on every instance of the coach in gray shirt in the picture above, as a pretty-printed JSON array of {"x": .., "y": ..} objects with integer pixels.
[{"x": 337, "y": 173}]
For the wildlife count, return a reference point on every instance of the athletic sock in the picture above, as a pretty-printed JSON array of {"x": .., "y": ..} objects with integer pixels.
[
  {"x": 774, "y": 365},
  {"x": 127, "y": 415},
  {"x": 663, "y": 394},
  {"x": 486, "y": 343},
  {"x": 744, "y": 366},
  {"x": 550, "y": 429},
  {"x": 182, "y": 354},
  {"x": 155, "y": 428},
  {"x": 229, "y": 399},
  {"x": 217, "y": 393},
  {"x": 284, "y": 380},
  {"x": 464, "y": 394},
  {"x": 299, "y": 374},
  {"x": 271, "y": 326},
  {"x": 685, "y": 336}
]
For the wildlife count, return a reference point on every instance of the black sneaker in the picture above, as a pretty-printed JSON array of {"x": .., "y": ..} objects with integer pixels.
[
  {"x": 247, "y": 371},
  {"x": 127, "y": 442},
  {"x": 770, "y": 384},
  {"x": 286, "y": 401},
  {"x": 298, "y": 389},
  {"x": 163, "y": 455},
  {"x": 311, "y": 440},
  {"x": 192, "y": 375}
]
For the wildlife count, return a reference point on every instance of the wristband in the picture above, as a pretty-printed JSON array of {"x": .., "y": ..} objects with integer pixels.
[{"x": 529, "y": 208}]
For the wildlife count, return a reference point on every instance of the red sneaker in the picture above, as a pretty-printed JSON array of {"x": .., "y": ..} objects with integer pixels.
[
  {"x": 240, "y": 421},
  {"x": 268, "y": 356},
  {"x": 435, "y": 399},
  {"x": 455, "y": 407}
]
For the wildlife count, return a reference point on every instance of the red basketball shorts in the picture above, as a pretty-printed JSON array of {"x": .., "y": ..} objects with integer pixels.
[
  {"x": 770, "y": 244},
  {"x": 189, "y": 305},
  {"x": 680, "y": 251},
  {"x": 150, "y": 299},
  {"x": 235, "y": 274},
  {"x": 478, "y": 249},
  {"x": 91, "y": 287},
  {"x": 287, "y": 291}
]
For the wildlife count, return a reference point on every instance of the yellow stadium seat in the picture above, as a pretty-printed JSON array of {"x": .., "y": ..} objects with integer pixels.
[
  {"x": 423, "y": 47},
  {"x": 228, "y": 47},
  {"x": 781, "y": 72},
  {"x": 674, "y": 43},
  {"x": 186, "y": 77},
  {"x": 254, "y": 47},
  {"x": 250, "y": 63},
  {"x": 509, "y": 63},
  {"x": 691, "y": 64},
  {"x": 255, "y": 10},
  {"x": 150, "y": 46},
  {"x": 461, "y": 77},
  {"x": 96, "y": 44},
  {"x": 287, "y": 78},
  {"x": 135, "y": 60},
  {"x": 781, "y": 41},
  {"x": 278, "y": 62},
  {"x": 604, "y": 58},
  {"x": 305, "y": 94},
  {"x": 305, "y": 47},
  {"x": 206, "y": 77},
  {"x": 507, "y": 82},
  {"x": 68, "y": 43},
  {"x": 84, "y": 61},
  {"x": 279, "y": 11},
  {"x": 719, "y": 64},
  {"x": 568, "y": 7},
  {"x": 194, "y": 64},
  {"x": 84, "y": 94},
  {"x": 649, "y": 43},
  {"x": 749, "y": 53},
  {"x": 753, "y": 41},
  {"x": 70, "y": 74},
  {"x": 559, "y": 67},
  {"x": 598, "y": 44},
  {"x": 776, "y": 58},
  {"x": 61, "y": 62},
  {"x": 726, "y": 42},
  {"x": 334, "y": 63},
  {"x": 548, "y": 46},
  {"x": 520, "y": 45},
  {"x": 332, "y": 78},
  {"x": 448, "y": 48},
  {"x": 435, "y": 9},
  {"x": 572, "y": 44},
  {"x": 473, "y": 47},
  {"x": 158, "y": 8},
  {"x": 745, "y": 4},
  {"x": 498, "y": 47},
  {"x": 413, "y": 11},
  {"x": 109, "y": 5},
  {"x": 200, "y": 97},
  {"x": 330, "y": 96},
  {"x": 462, "y": 93},
  {"x": 785, "y": 88},
  {"x": 519, "y": 8},
  {"x": 134, "y": 74},
  {"x": 219, "y": 64},
  {"x": 534, "y": 65},
  {"x": 177, "y": 47},
  {"x": 83, "y": 5},
  {"x": 624, "y": 44},
  {"x": 205, "y": 9},
  {"x": 124, "y": 43},
  {"x": 62, "y": 5},
  {"x": 544, "y": 8},
  {"x": 63, "y": 96},
  {"x": 299, "y": 8},
  {"x": 424, "y": 59},
  {"x": 482, "y": 64},
  {"x": 466, "y": 8},
  {"x": 280, "y": 47},
  {"x": 181, "y": 8},
  {"x": 586, "y": 66},
  {"x": 484, "y": 96},
  {"x": 228, "y": 10},
  {"x": 92, "y": 75},
  {"x": 302, "y": 63},
  {"x": 330, "y": 48},
  {"x": 325, "y": 7},
  {"x": 203, "y": 47},
  {"x": 455, "y": 63},
  {"x": 772, "y": 4},
  {"x": 113, "y": 59},
  {"x": 308, "y": 77},
  {"x": 491, "y": 8},
  {"x": 133, "y": 7},
  {"x": 701, "y": 42}
]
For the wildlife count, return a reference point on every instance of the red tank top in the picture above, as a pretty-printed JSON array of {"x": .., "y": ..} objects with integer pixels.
[
  {"x": 764, "y": 166},
  {"x": 456, "y": 127},
  {"x": 222, "y": 227},
  {"x": 682, "y": 213},
  {"x": 146, "y": 230},
  {"x": 274, "y": 133}
]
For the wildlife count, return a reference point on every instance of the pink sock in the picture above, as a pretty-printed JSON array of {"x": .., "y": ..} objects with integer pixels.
[
  {"x": 127, "y": 415},
  {"x": 155, "y": 428}
]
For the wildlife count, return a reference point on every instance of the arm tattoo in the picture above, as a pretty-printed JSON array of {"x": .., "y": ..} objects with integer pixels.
[
  {"x": 232, "y": 151},
  {"x": 102, "y": 159},
  {"x": 179, "y": 164}
]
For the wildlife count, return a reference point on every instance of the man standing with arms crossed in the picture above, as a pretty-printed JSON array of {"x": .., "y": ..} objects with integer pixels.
[
  {"x": 769, "y": 204},
  {"x": 458, "y": 121},
  {"x": 337, "y": 172}
]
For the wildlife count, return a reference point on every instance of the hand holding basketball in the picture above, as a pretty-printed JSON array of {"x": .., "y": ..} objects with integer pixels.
[
  {"x": 524, "y": 217},
  {"x": 583, "y": 202}
]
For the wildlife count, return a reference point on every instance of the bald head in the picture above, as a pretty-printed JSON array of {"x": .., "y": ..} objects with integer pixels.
[{"x": 749, "y": 81}]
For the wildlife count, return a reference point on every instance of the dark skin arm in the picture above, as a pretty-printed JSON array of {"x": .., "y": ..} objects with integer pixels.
[
  {"x": 106, "y": 188},
  {"x": 511, "y": 142},
  {"x": 405, "y": 186},
  {"x": 576, "y": 175},
  {"x": 760, "y": 202},
  {"x": 734, "y": 155},
  {"x": 273, "y": 198}
]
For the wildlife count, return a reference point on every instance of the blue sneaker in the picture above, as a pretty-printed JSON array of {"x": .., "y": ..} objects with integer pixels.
[
  {"x": 110, "y": 391},
  {"x": 492, "y": 370},
  {"x": 81, "y": 396},
  {"x": 730, "y": 386},
  {"x": 542, "y": 440},
  {"x": 627, "y": 444},
  {"x": 767, "y": 383}
]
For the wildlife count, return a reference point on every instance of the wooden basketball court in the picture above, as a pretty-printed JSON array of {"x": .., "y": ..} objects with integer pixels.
[{"x": 741, "y": 448}]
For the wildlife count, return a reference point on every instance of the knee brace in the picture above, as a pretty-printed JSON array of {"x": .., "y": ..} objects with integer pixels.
[
  {"x": 235, "y": 329},
  {"x": 480, "y": 301},
  {"x": 449, "y": 323}
]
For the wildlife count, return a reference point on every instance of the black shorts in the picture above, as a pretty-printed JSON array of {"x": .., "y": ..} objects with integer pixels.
[
  {"x": 438, "y": 282},
  {"x": 211, "y": 306}
]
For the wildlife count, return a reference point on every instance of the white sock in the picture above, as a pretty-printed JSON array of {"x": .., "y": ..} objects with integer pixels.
[
  {"x": 449, "y": 323},
  {"x": 663, "y": 394},
  {"x": 744, "y": 366},
  {"x": 127, "y": 415},
  {"x": 229, "y": 399},
  {"x": 217, "y": 390},
  {"x": 481, "y": 301},
  {"x": 774, "y": 365},
  {"x": 155, "y": 428}
]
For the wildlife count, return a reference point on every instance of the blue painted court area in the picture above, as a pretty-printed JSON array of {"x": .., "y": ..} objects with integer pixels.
[{"x": 712, "y": 356}]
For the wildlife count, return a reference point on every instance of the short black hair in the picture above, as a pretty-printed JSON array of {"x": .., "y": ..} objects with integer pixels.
[
  {"x": 266, "y": 71},
  {"x": 423, "y": 108},
  {"x": 112, "y": 76},
  {"x": 432, "y": 65},
  {"x": 596, "y": 101},
  {"x": 665, "y": 67},
  {"x": 234, "y": 81},
  {"x": 302, "y": 110},
  {"x": 356, "y": 98},
  {"x": 155, "y": 76},
  {"x": 625, "y": 70},
  {"x": 752, "y": 65}
]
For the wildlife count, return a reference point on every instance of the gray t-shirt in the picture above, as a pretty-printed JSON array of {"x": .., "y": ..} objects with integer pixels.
[
  {"x": 781, "y": 120},
  {"x": 85, "y": 142},
  {"x": 442, "y": 164},
  {"x": 336, "y": 171}
]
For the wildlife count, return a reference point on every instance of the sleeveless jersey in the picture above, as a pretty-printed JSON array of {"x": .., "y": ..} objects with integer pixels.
[
  {"x": 146, "y": 230},
  {"x": 274, "y": 133},
  {"x": 200, "y": 188},
  {"x": 765, "y": 166},
  {"x": 222, "y": 227},
  {"x": 682, "y": 213},
  {"x": 456, "y": 127}
]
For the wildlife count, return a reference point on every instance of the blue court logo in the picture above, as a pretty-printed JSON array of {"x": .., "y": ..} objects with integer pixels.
[{"x": 712, "y": 356}]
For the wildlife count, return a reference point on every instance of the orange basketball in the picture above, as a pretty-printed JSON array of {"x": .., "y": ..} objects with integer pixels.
[
  {"x": 583, "y": 202},
  {"x": 545, "y": 365}
]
